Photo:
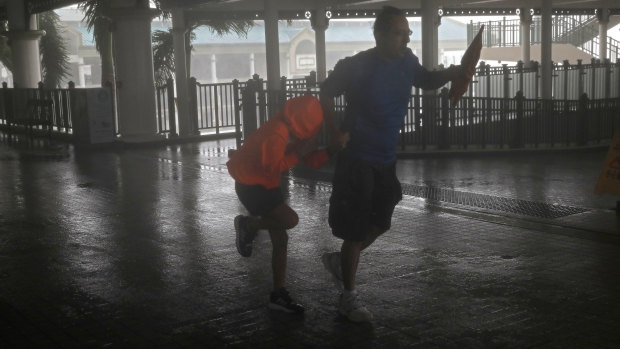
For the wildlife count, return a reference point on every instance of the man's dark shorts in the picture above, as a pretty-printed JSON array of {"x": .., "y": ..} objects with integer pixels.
[
  {"x": 363, "y": 194},
  {"x": 258, "y": 200}
]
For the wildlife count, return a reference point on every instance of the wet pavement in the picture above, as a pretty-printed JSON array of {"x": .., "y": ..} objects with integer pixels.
[{"x": 135, "y": 248}]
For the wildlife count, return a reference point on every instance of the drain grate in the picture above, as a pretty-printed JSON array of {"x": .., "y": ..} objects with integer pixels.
[{"x": 497, "y": 203}]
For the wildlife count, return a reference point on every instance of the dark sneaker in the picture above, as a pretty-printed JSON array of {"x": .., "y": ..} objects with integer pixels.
[
  {"x": 245, "y": 236},
  {"x": 281, "y": 300}
]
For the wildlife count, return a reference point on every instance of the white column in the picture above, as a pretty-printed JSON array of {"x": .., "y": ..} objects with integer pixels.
[
  {"x": 603, "y": 22},
  {"x": 319, "y": 25},
  {"x": 186, "y": 126},
  {"x": 272, "y": 45},
  {"x": 213, "y": 68},
  {"x": 526, "y": 22},
  {"x": 134, "y": 73},
  {"x": 252, "y": 64},
  {"x": 430, "y": 22},
  {"x": 287, "y": 65},
  {"x": 545, "y": 50},
  {"x": 24, "y": 38}
]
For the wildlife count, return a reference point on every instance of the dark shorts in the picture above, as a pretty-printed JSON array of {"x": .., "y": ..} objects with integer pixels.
[
  {"x": 258, "y": 200},
  {"x": 363, "y": 194}
]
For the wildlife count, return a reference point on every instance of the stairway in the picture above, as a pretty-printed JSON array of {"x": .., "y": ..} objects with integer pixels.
[{"x": 579, "y": 31}]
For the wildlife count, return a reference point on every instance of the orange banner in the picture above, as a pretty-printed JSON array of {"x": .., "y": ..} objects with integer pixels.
[{"x": 609, "y": 181}]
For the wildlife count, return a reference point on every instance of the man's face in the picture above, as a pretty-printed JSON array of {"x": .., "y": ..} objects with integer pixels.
[{"x": 393, "y": 43}]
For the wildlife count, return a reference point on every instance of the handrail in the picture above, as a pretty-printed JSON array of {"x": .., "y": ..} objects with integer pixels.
[{"x": 566, "y": 29}]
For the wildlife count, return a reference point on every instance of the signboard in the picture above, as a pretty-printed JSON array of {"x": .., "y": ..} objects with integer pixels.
[
  {"x": 609, "y": 180},
  {"x": 100, "y": 115}
]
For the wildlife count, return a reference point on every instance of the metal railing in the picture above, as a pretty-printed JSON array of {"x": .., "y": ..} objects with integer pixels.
[
  {"x": 565, "y": 30},
  {"x": 597, "y": 79},
  {"x": 166, "y": 108},
  {"x": 215, "y": 108},
  {"x": 475, "y": 122},
  {"x": 17, "y": 109}
]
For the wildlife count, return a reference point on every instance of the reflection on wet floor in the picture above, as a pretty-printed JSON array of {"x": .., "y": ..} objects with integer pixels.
[{"x": 134, "y": 248}]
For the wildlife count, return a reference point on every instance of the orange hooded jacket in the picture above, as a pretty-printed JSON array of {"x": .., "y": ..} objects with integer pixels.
[{"x": 267, "y": 153}]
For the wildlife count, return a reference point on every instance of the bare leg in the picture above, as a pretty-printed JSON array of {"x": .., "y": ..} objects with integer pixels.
[
  {"x": 349, "y": 259},
  {"x": 281, "y": 218},
  {"x": 277, "y": 222},
  {"x": 375, "y": 232},
  {"x": 279, "y": 240},
  {"x": 350, "y": 256}
]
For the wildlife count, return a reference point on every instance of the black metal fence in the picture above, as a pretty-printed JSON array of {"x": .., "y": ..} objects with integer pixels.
[
  {"x": 474, "y": 123},
  {"x": 166, "y": 108},
  {"x": 37, "y": 109},
  {"x": 598, "y": 79}
]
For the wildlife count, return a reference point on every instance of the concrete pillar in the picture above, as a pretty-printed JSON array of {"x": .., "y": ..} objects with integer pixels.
[
  {"x": 603, "y": 22},
  {"x": 526, "y": 23},
  {"x": 272, "y": 45},
  {"x": 430, "y": 24},
  {"x": 24, "y": 38},
  {"x": 134, "y": 72},
  {"x": 545, "y": 50},
  {"x": 252, "y": 64},
  {"x": 287, "y": 65},
  {"x": 185, "y": 125},
  {"x": 214, "y": 68},
  {"x": 320, "y": 23}
]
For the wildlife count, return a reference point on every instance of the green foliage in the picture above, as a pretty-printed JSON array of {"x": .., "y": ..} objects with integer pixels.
[
  {"x": 54, "y": 53},
  {"x": 163, "y": 56},
  {"x": 163, "y": 51}
]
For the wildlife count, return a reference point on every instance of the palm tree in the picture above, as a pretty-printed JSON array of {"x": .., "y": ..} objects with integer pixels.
[
  {"x": 54, "y": 53},
  {"x": 101, "y": 26},
  {"x": 53, "y": 50},
  {"x": 163, "y": 52},
  {"x": 5, "y": 49}
]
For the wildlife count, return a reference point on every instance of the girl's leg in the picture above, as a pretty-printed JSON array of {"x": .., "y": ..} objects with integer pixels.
[
  {"x": 281, "y": 218},
  {"x": 277, "y": 222}
]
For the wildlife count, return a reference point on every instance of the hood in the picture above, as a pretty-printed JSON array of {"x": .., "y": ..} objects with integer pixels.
[{"x": 304, "y": 116}]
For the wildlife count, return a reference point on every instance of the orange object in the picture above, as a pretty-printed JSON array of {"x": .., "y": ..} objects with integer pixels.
[
  {"x": 469, "y": 62},
  {"x": 609, "y": 180},
  {"x": 273, "y": 148}
]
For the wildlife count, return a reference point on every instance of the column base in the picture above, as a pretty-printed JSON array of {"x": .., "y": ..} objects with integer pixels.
[{"x": 142, "y": 138}]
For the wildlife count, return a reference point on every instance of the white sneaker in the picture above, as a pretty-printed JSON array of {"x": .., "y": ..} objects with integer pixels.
[
  {"x": 353, "y": 309},
  {"x": 331, "y": 262}
]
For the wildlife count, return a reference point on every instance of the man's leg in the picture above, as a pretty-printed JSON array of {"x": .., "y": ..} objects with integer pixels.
[
  {"x": 374, "y": 233},
  {"x": 349, "y": 259}
]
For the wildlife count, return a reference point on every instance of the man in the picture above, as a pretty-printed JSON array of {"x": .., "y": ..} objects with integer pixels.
[{"x": 377, "y": 85}]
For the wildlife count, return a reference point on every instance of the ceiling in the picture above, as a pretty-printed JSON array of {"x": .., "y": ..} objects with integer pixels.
[
  {"x": 241, "y": 6},
  {"x": 257, "y": 5}
]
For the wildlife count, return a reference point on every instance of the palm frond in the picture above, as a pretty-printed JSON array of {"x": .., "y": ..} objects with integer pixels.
[
  {"x": 163, "y": 56},
  {"x": 5, "y": 50},
  {"x": 54, "y": 52},
  {"x": 97, "y": 21},
  {"x": 224, "y": 26}
]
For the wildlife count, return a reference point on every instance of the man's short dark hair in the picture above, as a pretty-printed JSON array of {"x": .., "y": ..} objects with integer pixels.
[{"x": 383, "y": 22}]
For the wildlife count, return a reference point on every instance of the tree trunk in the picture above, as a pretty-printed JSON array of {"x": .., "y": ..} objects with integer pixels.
[
  {"x": 107, "y": 59},
  {"x": 188, "y": 54}
]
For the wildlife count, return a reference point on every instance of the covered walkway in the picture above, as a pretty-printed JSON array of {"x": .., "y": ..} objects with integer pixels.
[{"x": 135, "y": 249}]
